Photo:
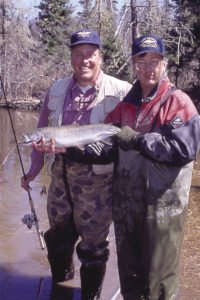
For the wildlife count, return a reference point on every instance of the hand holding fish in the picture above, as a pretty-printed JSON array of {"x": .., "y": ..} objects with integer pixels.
[{"x": 49, "y": 148}]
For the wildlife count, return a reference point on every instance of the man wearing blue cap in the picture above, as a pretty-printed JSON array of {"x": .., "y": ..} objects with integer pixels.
[
  {"x": 79, "y": 200},
  {"x": 158, "y": 142}
]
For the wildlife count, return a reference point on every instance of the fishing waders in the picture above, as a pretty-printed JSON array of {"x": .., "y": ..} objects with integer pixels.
[
  {"x": 60, "y": 243},
  {"x": 92, "y": 273}
]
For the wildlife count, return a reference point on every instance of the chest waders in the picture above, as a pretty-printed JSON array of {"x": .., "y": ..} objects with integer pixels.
[
  {"x": 93, "y": 265},
  {"x": 60, "y": 243}
]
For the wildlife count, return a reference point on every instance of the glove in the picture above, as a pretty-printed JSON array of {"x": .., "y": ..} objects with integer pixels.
[
  {"x": 95, "y": 153},
  {"x": 126, "y": 138}
]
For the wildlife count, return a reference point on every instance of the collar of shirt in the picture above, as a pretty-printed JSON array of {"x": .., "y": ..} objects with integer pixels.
[
  {"x": 151, "y": 95},
  {"x": 155, "y": 89},
  {"x": 77, "y": 99}
]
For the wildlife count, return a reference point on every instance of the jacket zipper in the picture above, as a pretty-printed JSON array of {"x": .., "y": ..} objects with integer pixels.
[{"x": 137, "y": 115}]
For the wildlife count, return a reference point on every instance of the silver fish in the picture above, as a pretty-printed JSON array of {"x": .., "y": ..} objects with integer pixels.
[{"x": 71, "y": 135}]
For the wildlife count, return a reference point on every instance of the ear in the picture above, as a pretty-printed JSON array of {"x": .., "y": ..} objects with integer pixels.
[
  {"x": 165, "y": 63},
  {"x": 100, "y": 60},
  {"x": 133, "y": 62}
]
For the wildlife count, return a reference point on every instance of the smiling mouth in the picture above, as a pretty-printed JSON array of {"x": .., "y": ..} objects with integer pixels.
[{"x": 85, "y": 69}]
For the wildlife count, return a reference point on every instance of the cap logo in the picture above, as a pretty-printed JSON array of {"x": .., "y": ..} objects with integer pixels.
[
  {"x": 149, "y": 42},
  {"x": 84, "y": 33}
]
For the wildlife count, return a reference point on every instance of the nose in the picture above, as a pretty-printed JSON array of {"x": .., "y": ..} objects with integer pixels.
[
  {"x": 85, "y": 59},
  {"x": 148, "y": 66}
]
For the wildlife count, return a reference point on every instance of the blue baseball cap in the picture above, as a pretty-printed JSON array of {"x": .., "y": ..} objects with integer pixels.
[
  {"x": 148, "y": 43},
  {"x": 85, "y": 36}
]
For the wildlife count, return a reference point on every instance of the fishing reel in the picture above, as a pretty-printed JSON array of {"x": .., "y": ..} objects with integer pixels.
[{"x": 29, "y": 220}]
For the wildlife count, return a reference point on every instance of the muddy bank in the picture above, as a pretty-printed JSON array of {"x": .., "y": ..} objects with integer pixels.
[
  {"x": 190, "y": 257},
  {"x": 28, "y": 105}
]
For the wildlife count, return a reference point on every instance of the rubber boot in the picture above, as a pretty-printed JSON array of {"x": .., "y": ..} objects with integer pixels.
[
  {"x": 61, "y": 292},
  {"x": 62, "y": 268},
  {"x": 91, "y": 281},
  {"x": 60, "y": 247}
]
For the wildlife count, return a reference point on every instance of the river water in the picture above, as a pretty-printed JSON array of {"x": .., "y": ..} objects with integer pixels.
[
  {"x": 22, "y": 262},
  {"x": 24, "y": 270}
]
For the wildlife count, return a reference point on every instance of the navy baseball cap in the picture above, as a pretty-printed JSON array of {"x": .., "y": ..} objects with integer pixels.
[
  {"x": 148, "y": 43},
  {"x": 85, "y": 36}
]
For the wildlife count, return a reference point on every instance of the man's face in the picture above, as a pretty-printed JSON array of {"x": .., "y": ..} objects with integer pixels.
[
  {"x": 149, "y": 69},
  {"x": 86, "y": 62}
]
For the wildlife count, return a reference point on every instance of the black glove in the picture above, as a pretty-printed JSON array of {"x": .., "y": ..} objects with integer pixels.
[
  {"x": 126, "y": 138},
  {"x": 95, "y": 153},
  {"x": 96, "y": 148}
]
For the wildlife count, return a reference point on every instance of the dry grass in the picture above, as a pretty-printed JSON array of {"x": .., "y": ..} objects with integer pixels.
[{"x": 190, "y": 258}]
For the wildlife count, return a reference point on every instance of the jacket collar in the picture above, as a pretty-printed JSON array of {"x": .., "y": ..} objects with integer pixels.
[{"x": 134, "y": 96}]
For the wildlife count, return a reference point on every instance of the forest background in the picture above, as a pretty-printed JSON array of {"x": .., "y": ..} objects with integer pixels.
[{"x": 34, "y": 48}]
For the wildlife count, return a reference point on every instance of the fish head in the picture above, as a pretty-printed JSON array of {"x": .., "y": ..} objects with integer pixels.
[{"x": 30, "y": 137}]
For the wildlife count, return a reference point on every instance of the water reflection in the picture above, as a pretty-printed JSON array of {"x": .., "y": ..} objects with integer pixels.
[
  {"x": 17, "y": 242},
  {"x": 11, "y": 193},
  {"x": 22, "y": 122},
  {"x": 23, "y": 265}
]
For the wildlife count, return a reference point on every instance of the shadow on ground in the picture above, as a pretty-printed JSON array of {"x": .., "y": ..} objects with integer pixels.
[{"x": 16, "y": 286}]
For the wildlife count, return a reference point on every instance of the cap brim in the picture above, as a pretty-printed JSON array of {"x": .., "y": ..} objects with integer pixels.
[
  {"x": 147, "y": 51},
  {"x": 83, "y": 42}
]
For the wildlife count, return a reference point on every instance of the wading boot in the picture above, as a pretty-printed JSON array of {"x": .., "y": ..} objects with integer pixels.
[
  {"x": 60, "y": 247},
  {"x": 92, "y": 281},
  {"x": 62, "y": 268},
  {"x": 92, "y": 272},
  {"x": 61, "y": 292}
]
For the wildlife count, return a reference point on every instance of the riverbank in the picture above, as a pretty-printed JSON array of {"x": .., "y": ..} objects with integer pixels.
[
  {"x": 190, "y": 255},
  {"x": 28, "y": 105}
]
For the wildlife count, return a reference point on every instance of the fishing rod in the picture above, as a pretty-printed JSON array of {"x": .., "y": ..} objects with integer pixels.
[{"x": 28, "y": 219}]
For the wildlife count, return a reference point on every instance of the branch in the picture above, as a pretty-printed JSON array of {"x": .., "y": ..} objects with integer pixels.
[{"x": 4, "y": 161}]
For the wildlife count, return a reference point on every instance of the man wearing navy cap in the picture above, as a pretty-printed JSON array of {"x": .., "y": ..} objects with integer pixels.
[
  {"x": 85, "y": 209},
  {"x": 85, "y": 36},
  {"x": 158, "y": 142}
]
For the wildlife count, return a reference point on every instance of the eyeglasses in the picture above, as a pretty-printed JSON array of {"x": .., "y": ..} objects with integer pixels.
[{"x": 152, "y": 64}]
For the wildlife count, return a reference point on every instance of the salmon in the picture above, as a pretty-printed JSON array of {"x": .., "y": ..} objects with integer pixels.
[{"x": 71, "y": 135}]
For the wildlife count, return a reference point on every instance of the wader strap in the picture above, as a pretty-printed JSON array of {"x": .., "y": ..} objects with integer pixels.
[{"x": 66, "y": 181}]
